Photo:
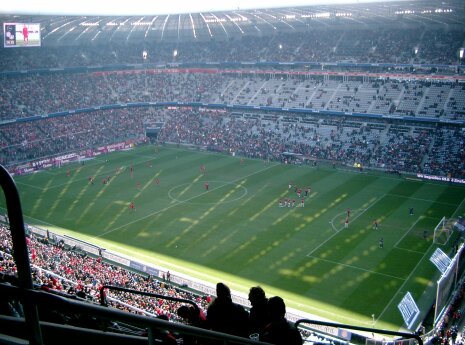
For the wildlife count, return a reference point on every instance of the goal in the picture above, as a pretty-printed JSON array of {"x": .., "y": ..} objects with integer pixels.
[{"x": 443, "y": 231}]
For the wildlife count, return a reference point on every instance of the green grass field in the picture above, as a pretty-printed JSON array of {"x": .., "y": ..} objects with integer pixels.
[{"x": 235, "y": 232}]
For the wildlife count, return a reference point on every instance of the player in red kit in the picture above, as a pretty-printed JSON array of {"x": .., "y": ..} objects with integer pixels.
[
  {"x": 132, "y": 207},
  {"x": 206, "y": 185},
  {"x": 25, "y": 35}
]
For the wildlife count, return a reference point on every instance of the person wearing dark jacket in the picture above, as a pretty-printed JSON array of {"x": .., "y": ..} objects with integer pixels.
[
  {"x": 223, "y": 315},
  {"x": 280, "y": 331},
  {"x": 259, "y": 311}
]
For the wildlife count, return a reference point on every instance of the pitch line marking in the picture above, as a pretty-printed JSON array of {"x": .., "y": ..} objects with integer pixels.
[
  {"x": 400, "y": 289},
  {"x": 409, "y": 250},
  {"x": 420, "y": 199},
  {"x": 223, "y": 184},
  {"x": 105, "y": 173},
  {"x": 356, "y": 267},
  {"x": 46, "y": 171},
  {"x": 405, "y": 234},
  {"x": 413, "y": 270},
  {"x": 458, "y": 207},
  {"x": 180, "y": 203},
  {"x": 209, "y": 278},
  {"x": 31, "y": 186},
  {"x": 337, "y": 215},
  {"x": 330, "y": 237}
]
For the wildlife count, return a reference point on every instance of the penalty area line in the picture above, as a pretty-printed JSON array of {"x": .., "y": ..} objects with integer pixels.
[
  {"x": 334, "y": 234},
  {"x": 356, "y": 268}
]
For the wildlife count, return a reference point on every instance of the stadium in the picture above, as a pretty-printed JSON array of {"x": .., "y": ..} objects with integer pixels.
[{"x": 152, "y": 162}]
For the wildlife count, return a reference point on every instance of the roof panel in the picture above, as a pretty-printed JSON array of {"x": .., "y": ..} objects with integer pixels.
[{"x": 62, "y": 30}]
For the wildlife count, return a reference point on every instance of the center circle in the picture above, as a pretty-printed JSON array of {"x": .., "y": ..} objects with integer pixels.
[{"x": 199, "y": 189}]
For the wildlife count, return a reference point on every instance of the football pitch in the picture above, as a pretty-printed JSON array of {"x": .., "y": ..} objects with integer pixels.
[{"x": 235, "y": 231}]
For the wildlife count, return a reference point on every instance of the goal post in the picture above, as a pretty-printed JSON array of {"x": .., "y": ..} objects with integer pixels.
[{"x": 443, "y": 231}]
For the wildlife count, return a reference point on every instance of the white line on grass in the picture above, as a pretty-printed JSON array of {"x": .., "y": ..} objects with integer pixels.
[
  {"x": 411, "y": 273},
  {"x": 458, "y": 208},
  {"x": 402, "y": 286},
  {"x": 213, "y": 153},
  {"x": 224, "y": 183},
  {"x": 420, "y": 199},
  {"x": 409, "y": 250},
  {"x": 405, "y": 234},
  {"x": 210, "y": 278},
  {"x": 356, "y": 267},
  {"x": 105, "y": 173},
  {"x": 330, "y": 237},
  {"x": 138, "y": 155},
  {"x": 181, "y": 202},
  {"x": 30, "y": 185},
  {"x": 45, "y": 171},
  {"x": 38, "y": 220}
]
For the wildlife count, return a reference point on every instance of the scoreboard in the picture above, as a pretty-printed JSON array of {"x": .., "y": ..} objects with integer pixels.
[{"x": 21, "y": 35}]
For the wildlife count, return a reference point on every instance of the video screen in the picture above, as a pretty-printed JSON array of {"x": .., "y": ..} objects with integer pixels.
[{"x": 21, "y": 35}]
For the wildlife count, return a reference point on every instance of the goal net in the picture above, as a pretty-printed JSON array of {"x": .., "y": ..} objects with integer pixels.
[{"x": 443, "y": 231}]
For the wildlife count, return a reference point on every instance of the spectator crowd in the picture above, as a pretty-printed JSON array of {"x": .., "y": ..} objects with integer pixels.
[
  {"x": 422, "y": 98},
  {"x": 422, "y": 148},
  {"x": 389, "y": 144},
  {"x": 415, "y": 44},
  {"x": 62, "y": 270}
]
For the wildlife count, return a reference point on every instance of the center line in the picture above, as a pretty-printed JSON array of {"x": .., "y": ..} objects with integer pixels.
[{"x": 181, "y": 202}]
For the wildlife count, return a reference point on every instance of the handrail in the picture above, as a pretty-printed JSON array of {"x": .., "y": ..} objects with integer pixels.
[
  {"x": 364, "y": 329},
  {"x": 51, "y": 301},
  {"x": 21, "y": 257},
  {"x": 136, "y": 292}
]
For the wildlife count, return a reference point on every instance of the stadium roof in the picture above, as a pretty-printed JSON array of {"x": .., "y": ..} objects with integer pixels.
[
  {"x": 227, "y": 25},
  {"x": 149, "y": 7}
]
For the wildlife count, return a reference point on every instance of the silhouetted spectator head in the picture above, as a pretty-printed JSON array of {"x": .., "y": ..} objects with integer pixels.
[
  {"x": 276, "y": 308},
  {"x": 256, "y": 294},
  {"x": 184, "y": 312},
  {"x": 259, "y": 316},
  {"x": 81, "y": 294},
  {"x": 163, "y": 317},
  {"x": 223, "y": 291}
]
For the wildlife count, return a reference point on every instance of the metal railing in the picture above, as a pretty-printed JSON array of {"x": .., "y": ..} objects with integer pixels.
[
  {"x": 103, "y": 299},
  {"x": 31, "y": 298},
  {"x": 368, "y": 330},
  {"x": 66, "y": 305}
]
